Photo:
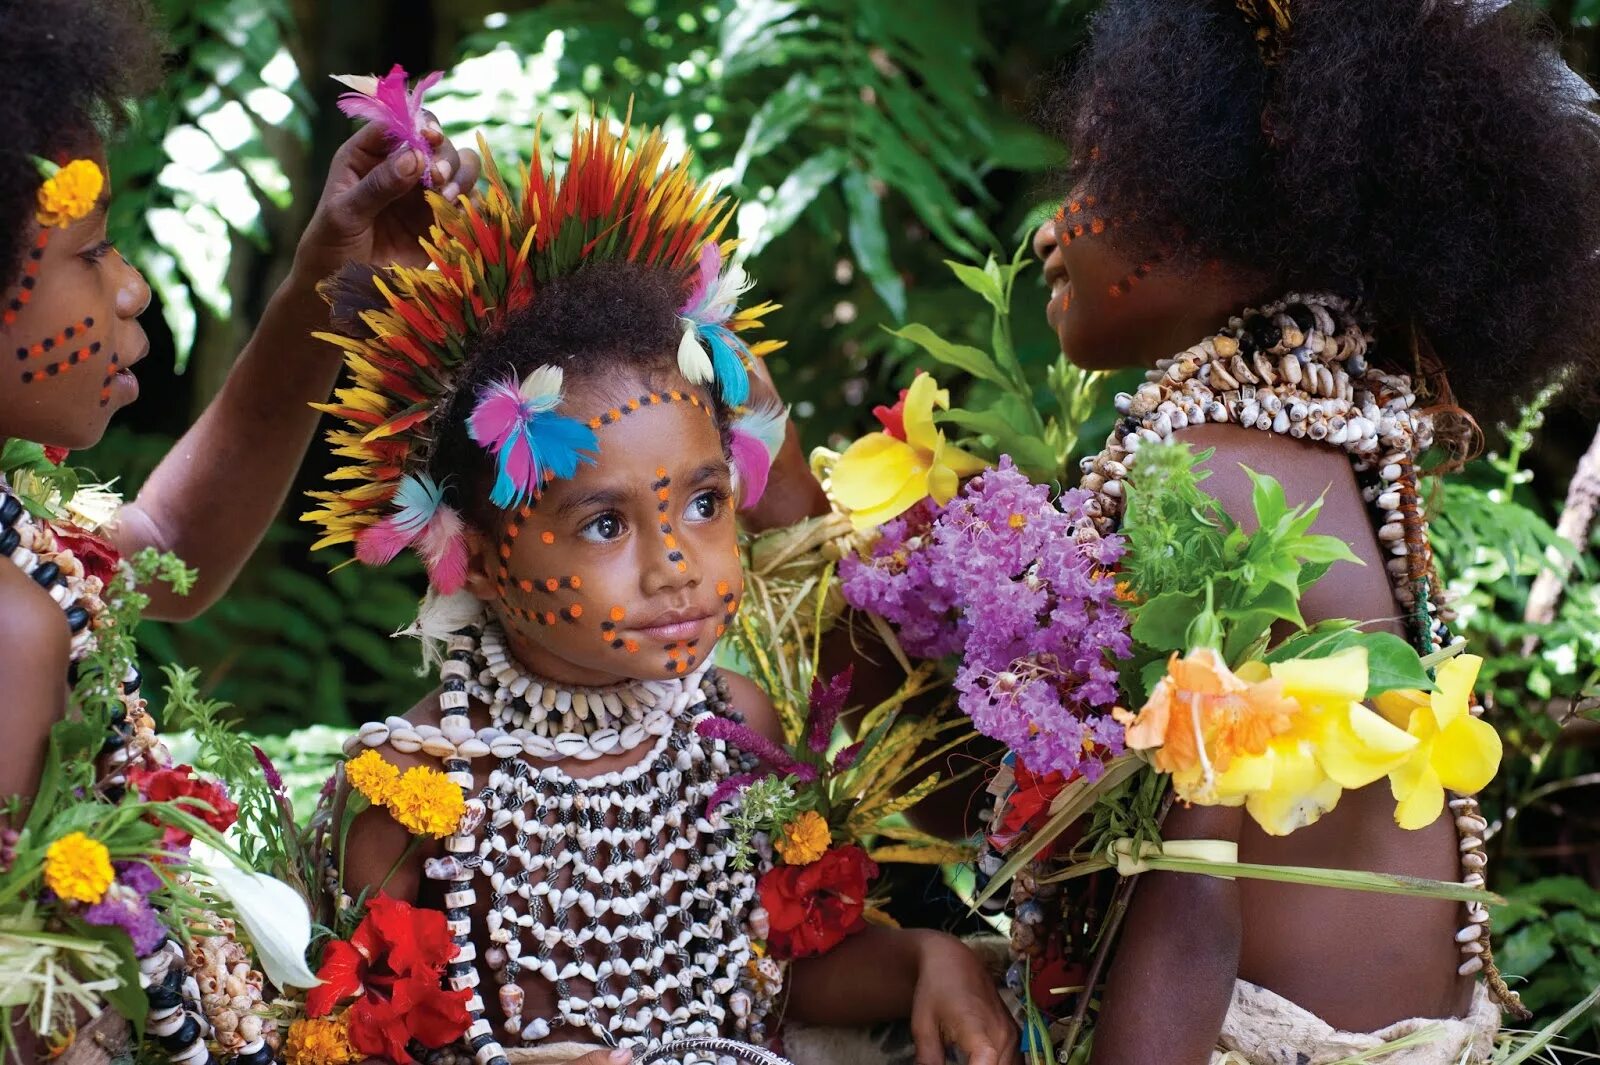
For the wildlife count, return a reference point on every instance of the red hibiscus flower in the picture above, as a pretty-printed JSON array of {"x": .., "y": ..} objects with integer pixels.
[
  {"x": 55, "y": 456},
  {"x": 814, "y": 907},
  {"x": 98, "y": 557},
  {"x": 178, "y": 782},
  {"x": 392, "y": 966}
]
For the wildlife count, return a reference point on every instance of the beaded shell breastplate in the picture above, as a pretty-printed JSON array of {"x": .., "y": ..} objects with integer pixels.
[{"x": 613, "y": 890}]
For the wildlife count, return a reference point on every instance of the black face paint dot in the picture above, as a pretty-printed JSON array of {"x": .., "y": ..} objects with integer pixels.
[{"x": 27, "y": 377}]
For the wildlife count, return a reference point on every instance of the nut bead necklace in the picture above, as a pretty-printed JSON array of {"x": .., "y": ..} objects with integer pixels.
[
  {"x": 1298, "y": 367},
  {"x": 183, "y": 1015}
]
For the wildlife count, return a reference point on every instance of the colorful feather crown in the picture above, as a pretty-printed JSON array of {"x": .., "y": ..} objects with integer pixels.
[{"x": 488, "y": 259}]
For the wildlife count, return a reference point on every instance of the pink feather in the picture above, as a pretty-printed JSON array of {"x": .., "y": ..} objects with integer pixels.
[
  {"x": 752, "y": 463},
  {"x": 377, "y": 545},
  {"x": 444, "y": 551},
  {"x": 498, "y": 415},
  {"x": 399, "y": 112},
  {"x": 705, "y": 278}
]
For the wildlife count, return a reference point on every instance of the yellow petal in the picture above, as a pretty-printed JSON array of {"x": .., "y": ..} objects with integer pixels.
[
  {"x": 917, "y": 418},
  {"x": 943, "y": 484},
  {"x": 1453, "y": 686},
  {"x": 1466, "y": 754},
  {"x": 1420, "y": 795},
  {"x": 874, "y": 470},
  {"x": 1253, "y": 672},
  {"x": 1299, "y": 796},
  {"x": 963, "y": 463},
  {"x": 1336, "y": 680},
  {"x": 1356, "y": 746},
  {"x": 1397, "y": 706},
  {"x": 1246, "y": 775}
]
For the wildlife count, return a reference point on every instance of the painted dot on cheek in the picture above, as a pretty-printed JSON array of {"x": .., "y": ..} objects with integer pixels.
[{"x": 548, "y": 537}]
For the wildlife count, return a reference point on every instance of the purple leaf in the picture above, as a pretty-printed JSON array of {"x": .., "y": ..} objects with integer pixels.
[{"x": 827, "y": 700}]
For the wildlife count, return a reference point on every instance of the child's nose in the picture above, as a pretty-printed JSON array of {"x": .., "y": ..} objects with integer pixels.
[
  {"x": 133, "y": 291},
  {"x": 669, "y": 565}
]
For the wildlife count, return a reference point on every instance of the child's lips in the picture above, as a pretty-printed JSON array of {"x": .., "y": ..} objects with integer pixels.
[{"x": 674, "y": 627}]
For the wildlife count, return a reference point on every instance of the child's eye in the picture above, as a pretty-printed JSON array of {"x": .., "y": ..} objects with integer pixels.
[
  {"x": 98, "y": 252},
  {"x": 706, "y": 505},
  {"x": 605, "y": 528}
]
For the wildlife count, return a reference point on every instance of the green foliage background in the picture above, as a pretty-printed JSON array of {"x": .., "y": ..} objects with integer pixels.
[{"x": 868, "y": 141}]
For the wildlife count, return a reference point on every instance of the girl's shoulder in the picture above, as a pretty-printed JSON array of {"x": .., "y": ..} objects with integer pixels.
[
  {"x": 33, "y": 629},
  {"x": 746, "y": 696}
]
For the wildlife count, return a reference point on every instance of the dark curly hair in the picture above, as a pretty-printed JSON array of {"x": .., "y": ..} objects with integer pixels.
[
  {"x": 1419, "y": 154},
  {"x": 611, "y": 326},
  {"x": 66, "y": 67}
]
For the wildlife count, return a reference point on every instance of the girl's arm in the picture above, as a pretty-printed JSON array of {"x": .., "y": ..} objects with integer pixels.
[
  {"x": 211, "y": 499},
  {"x": 34, "y": 647},
  {"x": 1176, "y": 962}
]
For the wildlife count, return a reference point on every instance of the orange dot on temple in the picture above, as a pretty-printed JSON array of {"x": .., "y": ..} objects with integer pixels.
[
  {"x": 551, "y": 584},
  {"x": 548, "y": 537},
  {"x": 549, "y": 617},
  {"x": 633, "y": 404},
  {"x": 615, "y": 414},
  {"x": 617, "y": 613},
  {"x": 1075, "y": 207},
  {"x": 525, "y": 585},
  {"x": 575, "y": 581},
  {"x": 575, "y": 611},
  {"x": 505, "y": 550},
  {"x": 655, "y": 397},
  {"x": 1097, "y": 226},
  {"x": 513, "y": 531}
]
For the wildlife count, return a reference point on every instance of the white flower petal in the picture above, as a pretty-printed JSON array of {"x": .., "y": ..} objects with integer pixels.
[{"x": 274, "y": 916}]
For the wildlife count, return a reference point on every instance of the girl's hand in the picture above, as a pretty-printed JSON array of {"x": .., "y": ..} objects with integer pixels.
[
  {"x": 373, "y": 208},
  {"x": 956, "y": 1004}
]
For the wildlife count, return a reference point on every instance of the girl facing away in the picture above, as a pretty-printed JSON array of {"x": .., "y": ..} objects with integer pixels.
[
  {"x": 548, "y": 417},
  {"x": 1423, "y": 170}
]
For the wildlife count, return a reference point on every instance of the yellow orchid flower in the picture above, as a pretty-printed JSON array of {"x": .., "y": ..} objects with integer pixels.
[
  {"x": 1453, "y": 749},
  {"x": 880, "y": 477}
]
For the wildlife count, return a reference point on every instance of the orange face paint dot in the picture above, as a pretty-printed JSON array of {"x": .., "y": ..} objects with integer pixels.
[
  {"x": 551, "y": 584},
  {"x": 661, "y": 471},
  {"x": 576, "y": 582},
  {"x": 633, "y": 404},
  {"x": 549, "y": 618},
  {"x": 505, "y": 550},
  {"x": 513, "y": 531},
  {"x": 575, "y": 611},
  {"x": 548, "y": 537},
  {"x": 680, "y": 667},
  {"x": 722, "y": 587},
  {"x": 525, "y": 585},
  {"x": 617, "y": 613},
  {"x": 632, "y": 646},
  {"x": 721, "y": 629},
  {"x": 671, "y": 541},
  {"x": 683, "y": 567}
]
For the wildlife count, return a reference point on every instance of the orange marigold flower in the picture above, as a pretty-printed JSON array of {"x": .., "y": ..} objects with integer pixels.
[
  {"x": 320, "y": 1041},
  {"x": 70, "y": 194},
  {"x": 804, "y": 839}
]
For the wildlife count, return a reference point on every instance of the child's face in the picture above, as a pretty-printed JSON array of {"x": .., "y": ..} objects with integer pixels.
[
  {"x": 69, "y": 332},
  {"x": 631, "y": 568}
]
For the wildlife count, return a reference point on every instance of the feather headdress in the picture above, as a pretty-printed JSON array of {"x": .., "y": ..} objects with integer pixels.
[
  {"x": 753, "y": 441},
  {"x": 488, "y": 259}
]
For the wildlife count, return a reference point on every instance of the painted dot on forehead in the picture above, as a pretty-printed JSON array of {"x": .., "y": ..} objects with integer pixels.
[{"x": 649, "y": 399}]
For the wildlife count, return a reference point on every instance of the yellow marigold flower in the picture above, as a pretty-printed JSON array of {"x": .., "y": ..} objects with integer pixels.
[
  {"x": 880, "y": 476},
  {"x": 426, "y": 802},
  {"x": 78, "y": 868},
  {"x": 372, "y": 776},
  {"x": 70, "y": 194},
  {"x": 324, "y": 1041},
  {"x": 805, "y": 839}
]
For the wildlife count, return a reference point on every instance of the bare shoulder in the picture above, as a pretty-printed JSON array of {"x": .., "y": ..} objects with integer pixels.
[
  {"x": 33, "y": 629},
  {"x": 748, "y": 698},
  {"x": 1307, "y": 471}
]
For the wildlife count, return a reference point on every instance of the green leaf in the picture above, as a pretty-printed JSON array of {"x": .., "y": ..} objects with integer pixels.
[
  {"x": 1523, "y": 951},
  {"x": 870, "y": 242},
  {"x": 967, "y": 359},
  {"x": 985, "y": 282},
  {"x": 1392, "y": 664},
  {"x": 1162, "y": 623},
  {"x": 1266, "y": 498}
]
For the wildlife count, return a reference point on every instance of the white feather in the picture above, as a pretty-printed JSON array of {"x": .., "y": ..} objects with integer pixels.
[
  {"x": 733, "y": 283},
  {"x": 542, "y": 387},
  {"x": 768, "y": 423},
  {"x": 365, "y": 84},
  {"x": 438, "y": 618},
  {"x": 694, "y": 361}
]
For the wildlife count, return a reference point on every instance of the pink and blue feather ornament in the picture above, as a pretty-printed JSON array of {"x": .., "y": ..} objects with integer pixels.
[
  {"x": 753, "y": 442},
  {"x": 710, "y": 351},
  {"x": 424, "y": 521},
  {"x": 518, "y": 425}
]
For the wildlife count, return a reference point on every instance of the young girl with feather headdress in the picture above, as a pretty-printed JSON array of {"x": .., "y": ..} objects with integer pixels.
[{"x": 547, "y": 416}]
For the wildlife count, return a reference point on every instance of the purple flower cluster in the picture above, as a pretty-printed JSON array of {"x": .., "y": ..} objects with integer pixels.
[
  {"x": 127, "y": 906},
  {"x": 1019, "y": 585}
]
